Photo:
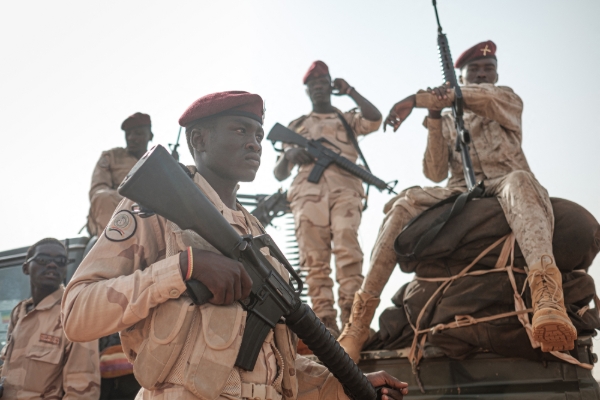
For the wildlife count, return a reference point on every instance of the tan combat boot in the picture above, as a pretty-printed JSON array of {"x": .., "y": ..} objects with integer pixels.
[
  {"x": 356, "y": 332},
  {"x": 552, "y": 327},
  {"x": 331, "y": 325}
]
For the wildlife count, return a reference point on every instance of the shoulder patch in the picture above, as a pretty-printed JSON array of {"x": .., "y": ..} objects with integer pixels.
[{"x": 121, "y": 227}]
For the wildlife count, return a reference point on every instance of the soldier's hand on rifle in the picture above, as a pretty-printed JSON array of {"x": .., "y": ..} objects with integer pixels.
[
  {"x": 393, "y": 390},
  {"x": 441, "y": 92},
  {"x": 399, "y": 112},
  {"x": 298, "y": 156},
  {"x": 340, "y": 87},
  {"x": 227, "y": 279}
]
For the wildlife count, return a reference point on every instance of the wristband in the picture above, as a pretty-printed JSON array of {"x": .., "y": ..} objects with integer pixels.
[{"x": 190, "y": 268}]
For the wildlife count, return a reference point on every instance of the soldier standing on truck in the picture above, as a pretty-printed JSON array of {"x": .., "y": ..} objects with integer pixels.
[
  {"x": 134, "y": 281},
  {"x": 39, "y": 360},
  {"x": 328, "y": 211},
  {"x": 493, "y": 117},
  {"x": 112, "y": 167}
]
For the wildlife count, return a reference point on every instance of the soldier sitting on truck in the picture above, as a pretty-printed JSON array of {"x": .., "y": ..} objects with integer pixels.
[
  {"x": 112, "y": 167},
  {"x": 39, "y": 360},
  {"x": 493, "y": 117}
]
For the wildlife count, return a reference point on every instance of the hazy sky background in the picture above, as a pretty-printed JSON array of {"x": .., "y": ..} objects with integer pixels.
[{"x": 72, "y": 71}]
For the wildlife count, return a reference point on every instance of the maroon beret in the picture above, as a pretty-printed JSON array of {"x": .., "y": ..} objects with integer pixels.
[
  {"x": 234, "y": 102},
  {"x": 135, "y": 120},
  {"x": 480, "y": 50},
  {"x": 317, "y": 69}
]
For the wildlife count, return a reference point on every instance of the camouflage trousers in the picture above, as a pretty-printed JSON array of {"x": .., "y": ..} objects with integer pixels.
[
  {"x": 103, "y": 205},
  {"x": 524, "y": 201},
  {"x": 323, "y": 219}
]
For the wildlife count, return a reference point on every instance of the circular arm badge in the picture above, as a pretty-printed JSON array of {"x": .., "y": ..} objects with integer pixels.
[{"x": 121, "y": 227}]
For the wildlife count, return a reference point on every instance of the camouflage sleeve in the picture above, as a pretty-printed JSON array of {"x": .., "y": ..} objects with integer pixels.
[
  {"x": 81, "y": 372},
  {"x": 435, "y": 162},
  {"x": 497, "y": 103},
  {"x": 360, "y": 124},
  {"x": 123, "y": 277},
  {"x": 315, "y": 382},
  {"x": 101, "y": 177}
]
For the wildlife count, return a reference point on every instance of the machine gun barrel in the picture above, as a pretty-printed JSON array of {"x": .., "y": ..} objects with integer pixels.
[{"x": 159, "y": 183}]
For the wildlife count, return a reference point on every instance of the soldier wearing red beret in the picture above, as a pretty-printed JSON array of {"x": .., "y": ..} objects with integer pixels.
[
  {"x": 493, "y": 118},
  {"x": 112, "y": 167},
  {"x": 329, "y": 211},
  {"x": 133, "y": 281}
]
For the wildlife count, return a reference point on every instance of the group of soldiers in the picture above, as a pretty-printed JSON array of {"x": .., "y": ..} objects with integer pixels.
[{"x": 133, "y": 281}]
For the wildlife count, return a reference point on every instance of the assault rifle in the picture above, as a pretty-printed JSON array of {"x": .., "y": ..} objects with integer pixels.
[
  {"x": 324, "y": 157},
  {"x": 463, "y": 137},
  {"x": 266, "y": 206},
  {"x": 158, "y": 183}
]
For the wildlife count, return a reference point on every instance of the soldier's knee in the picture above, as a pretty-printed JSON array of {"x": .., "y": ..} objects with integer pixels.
[{"x": 520, "y": 177}]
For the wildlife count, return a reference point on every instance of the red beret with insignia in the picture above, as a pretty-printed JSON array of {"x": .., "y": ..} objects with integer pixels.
[
  {"x": 317, "y": 69},
  {"x": 135, "y": 120},
  {"x": 225, "y": 103},
  {"x": 480, "y": 50}
]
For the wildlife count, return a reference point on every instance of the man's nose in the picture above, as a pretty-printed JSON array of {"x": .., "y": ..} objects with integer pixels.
[{"x": 254, "y": 145}]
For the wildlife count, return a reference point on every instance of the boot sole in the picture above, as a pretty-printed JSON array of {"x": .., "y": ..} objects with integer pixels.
[{"x": 554, "y": 333}]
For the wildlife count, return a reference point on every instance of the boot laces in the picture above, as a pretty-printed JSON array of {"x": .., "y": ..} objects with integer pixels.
[{"x": 550, "y": 295}]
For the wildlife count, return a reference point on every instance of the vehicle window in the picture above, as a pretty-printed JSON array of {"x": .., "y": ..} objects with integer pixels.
[{"x": 14, "y": 287}]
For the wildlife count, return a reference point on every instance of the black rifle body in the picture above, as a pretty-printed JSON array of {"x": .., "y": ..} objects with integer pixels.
[
  {"x": 267, "y": 206},
  {"x": 324, "y": 157},
  {"x": 463, "y": 137},
  {"x": 158, "y": 183}
]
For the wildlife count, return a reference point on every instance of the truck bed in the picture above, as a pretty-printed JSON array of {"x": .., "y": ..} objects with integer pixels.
[{"x": 489, "y": 376}]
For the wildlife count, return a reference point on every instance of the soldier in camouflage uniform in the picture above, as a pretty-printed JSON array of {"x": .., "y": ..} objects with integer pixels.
[
  {"x": 329, "y": 211},
  {"x": 39, "y": 360},
  {"x": 112, "y": 167},
  {"x": 133, "y": 281},
  {"x": 493, "y": 118}
]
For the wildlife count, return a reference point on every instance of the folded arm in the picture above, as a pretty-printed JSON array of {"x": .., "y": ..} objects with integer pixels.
[
  {"x": 497, "y": 103},
  {"x": 119, "y": 282}
]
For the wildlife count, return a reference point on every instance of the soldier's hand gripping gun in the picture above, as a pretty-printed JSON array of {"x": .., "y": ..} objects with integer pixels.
[
  {"x": 266, "y": 206},
  {"x": 324, "y": 157},
  {"x": 463, "y": 137},
  {"x": 159, "y": 183}
]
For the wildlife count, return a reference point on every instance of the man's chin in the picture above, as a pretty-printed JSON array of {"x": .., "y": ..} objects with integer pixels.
[{"x": 248, "y": 176}]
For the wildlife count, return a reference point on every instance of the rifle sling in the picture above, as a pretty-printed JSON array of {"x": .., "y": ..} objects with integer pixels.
[{"x": 352, "y": 138}]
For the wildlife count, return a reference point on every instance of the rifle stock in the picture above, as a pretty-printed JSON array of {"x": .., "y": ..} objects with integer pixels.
[{"x": 158, "y": 183}]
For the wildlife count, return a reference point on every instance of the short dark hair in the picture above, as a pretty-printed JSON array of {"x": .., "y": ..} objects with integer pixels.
[
  {"x": 206, "y": 123},
  {"x": 41, "y": 242}
]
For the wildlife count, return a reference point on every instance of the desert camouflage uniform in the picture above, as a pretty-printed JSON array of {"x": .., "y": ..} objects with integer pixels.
[
  {"x": 112, "y": 167},
  {"x": 493, "y": 117},
  {"x": 40, "y": 362},
  {"x": 133, "y": 284},
  {"x": 330, "y": 211}
]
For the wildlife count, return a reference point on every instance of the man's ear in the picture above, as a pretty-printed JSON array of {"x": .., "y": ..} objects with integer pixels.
[
  {"x": 151, "y": 136},
  {"x": 497, "y": 77},
  {"x": 199, "y": 139},
  {"x": 306, "y": 91},
  {"x": 26, "y": 268}
]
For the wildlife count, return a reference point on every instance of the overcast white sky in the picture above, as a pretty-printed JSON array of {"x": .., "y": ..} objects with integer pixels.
[{"x": 71, "y": 71}]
